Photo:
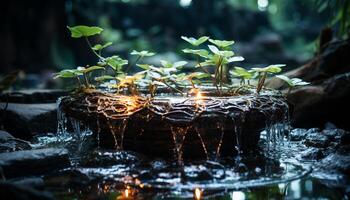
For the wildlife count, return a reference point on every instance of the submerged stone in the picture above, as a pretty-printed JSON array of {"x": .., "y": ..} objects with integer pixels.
[
  {"x": 33, "y": 162},
  {"x": 24, "y": 120},
  {"x": 317, "y": 140},
  {"x": 8, "y": 143}
]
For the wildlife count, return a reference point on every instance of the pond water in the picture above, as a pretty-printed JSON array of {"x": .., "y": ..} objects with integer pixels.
[{"x": 270, "y": 172}]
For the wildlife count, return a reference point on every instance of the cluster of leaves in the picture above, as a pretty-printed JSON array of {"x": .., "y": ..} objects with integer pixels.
[{"x": 212, "y": 66}]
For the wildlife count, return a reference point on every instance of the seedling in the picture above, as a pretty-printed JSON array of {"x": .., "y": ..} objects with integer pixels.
[
  {"x": 242, "y": 74},
  {"x": 292, "y": 82},
  {"x": 140, "y": 55},
  {"x": 264, "y": 72},
  {"x": 217, "y": 56},
  {"x": 76, "y": 73}
]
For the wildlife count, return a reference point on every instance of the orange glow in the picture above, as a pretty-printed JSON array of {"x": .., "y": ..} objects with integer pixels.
[
  {"x": 198, "y": 193},
  {"x": 198, "y": 97},
  {"x": 126, "y": 192}
]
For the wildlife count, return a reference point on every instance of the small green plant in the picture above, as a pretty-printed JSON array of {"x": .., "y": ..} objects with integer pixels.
[
  {"x": 242, "y": 74},
  {"x": 292, "y": 82},
  {"x": 264, "y": 72},
  {"x": 213, "y": 62},
  {"x": 218, "y": 57}
]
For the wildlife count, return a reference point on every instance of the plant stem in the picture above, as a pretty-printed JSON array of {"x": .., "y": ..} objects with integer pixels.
[
  {"x": 98, "y": 55},
  {"x": 79, "y": 82},
  {"x": 206, "y": 71},
  {"x": 177, "y": 90},
  {"x": 86, "y": 80},
  {"x": 134, "y": 63},
  {"x": 261, "y": 82}
]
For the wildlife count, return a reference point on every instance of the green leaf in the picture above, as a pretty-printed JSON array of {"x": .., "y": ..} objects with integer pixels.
[
  {"x": 200, "y": 52},
  {"x": 84, "y": 31},
  {"x": 194, "y": 41},
  {"x": 116, "y": 63},
  {"x": 68, "y": 73},
  {"x": 142, "y": 53},
  {"x": 199, "y": 75},
  {"x": 103, "y": 78},
  {"x": 92, "y": 68},
  {"x": 99, "y": 47},
  {"x": 179, "y": 64},
  {"x": 206, "y": 63},
  {"x": 166, "y": 64},
  {"x": 292, "y": 82},
  {"x": 241, "y": 73},
  {"x": 216, "y": 51},
  {"x": 272, "y": 69},
  {"x": 222, "y": 43},
  {"x": 235, "y": 59},
  {"x": 144, "y": 66}
]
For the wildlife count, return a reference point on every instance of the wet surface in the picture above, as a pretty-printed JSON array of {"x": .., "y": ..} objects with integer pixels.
[{"x": 276, "y": 171}]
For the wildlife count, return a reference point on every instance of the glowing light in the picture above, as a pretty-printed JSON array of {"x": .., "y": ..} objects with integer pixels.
[
  {"x": 198, "y": 193},
  {"x": 198, "y": 97},
  {"x": 185, "y": 3},
  {"x": 237, "y": 195},
  {"x": 127, "y": 192},
  {"x": 263, "y": 4}
]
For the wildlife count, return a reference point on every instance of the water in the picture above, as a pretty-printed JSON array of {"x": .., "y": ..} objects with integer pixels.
[
  {"x": 112, "y": 173},
  {"x": 274, "y": 170}
]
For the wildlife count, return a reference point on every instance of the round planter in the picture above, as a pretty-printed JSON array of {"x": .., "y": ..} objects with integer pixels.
[{"x": 184, "y": 127}]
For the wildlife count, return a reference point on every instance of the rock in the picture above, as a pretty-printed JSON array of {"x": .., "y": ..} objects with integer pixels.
[
  {"x": 335, "y": 163},
  {"x": 297, "y": 134},
  {"x": 33, "y": 162},
  {"x": 8, "y": 143},
  {"x": 312, "y": 154},
  {"x": 109, "y": 158},
  {"x": 5, "y": 136},
  {"x": 33, "y": 96},
  {"x": 324, "y": 100},
  {"x": 16, "y": 191},
  {"x": 316, "y": 105},
  {"x": 23, "y": 120},
  {"x": 334, "y": 134},
  {"x": 37, "y": 183},
  {"x": 67, "y": 178},
  {"x": 316, "y": 140}
]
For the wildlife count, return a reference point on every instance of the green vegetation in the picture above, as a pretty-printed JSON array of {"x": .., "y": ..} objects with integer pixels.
[
  {"x": 292, "y": 82},
  {"x": 213, "y": 62}
]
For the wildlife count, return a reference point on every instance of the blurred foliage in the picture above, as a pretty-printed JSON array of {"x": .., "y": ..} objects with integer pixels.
[
  {"x": 157, "y": 25},
  {"x": 340, "y": 15}
]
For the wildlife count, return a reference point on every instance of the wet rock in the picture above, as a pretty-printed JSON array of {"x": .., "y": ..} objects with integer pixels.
[
  {"x": 24, "y": 120},
  {"x": 37, "y": 183},
  {"x": 33, "y": 162},
  {"x": 33, "y": 96},
  {"x": 297, "y": 134},
  {"x": 324, "y": 100},
  {"x": 312, "y": 154},
  {"x": 15, "y": 191},
  {"x": 8, "y": 143},
  {"x": 316, "y": 140},
  {"x": 336, "y": 163},
  {"x": 67, "y": 178},
  {"x": 109, "y": 158},
  {"x": 334, "y": 134}
]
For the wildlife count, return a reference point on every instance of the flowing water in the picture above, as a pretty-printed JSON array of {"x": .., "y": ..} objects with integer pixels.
[{"x": 274, "y": 170}]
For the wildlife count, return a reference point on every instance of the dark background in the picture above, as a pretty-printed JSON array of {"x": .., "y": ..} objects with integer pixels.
[{"x": 34, "y": 37}]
